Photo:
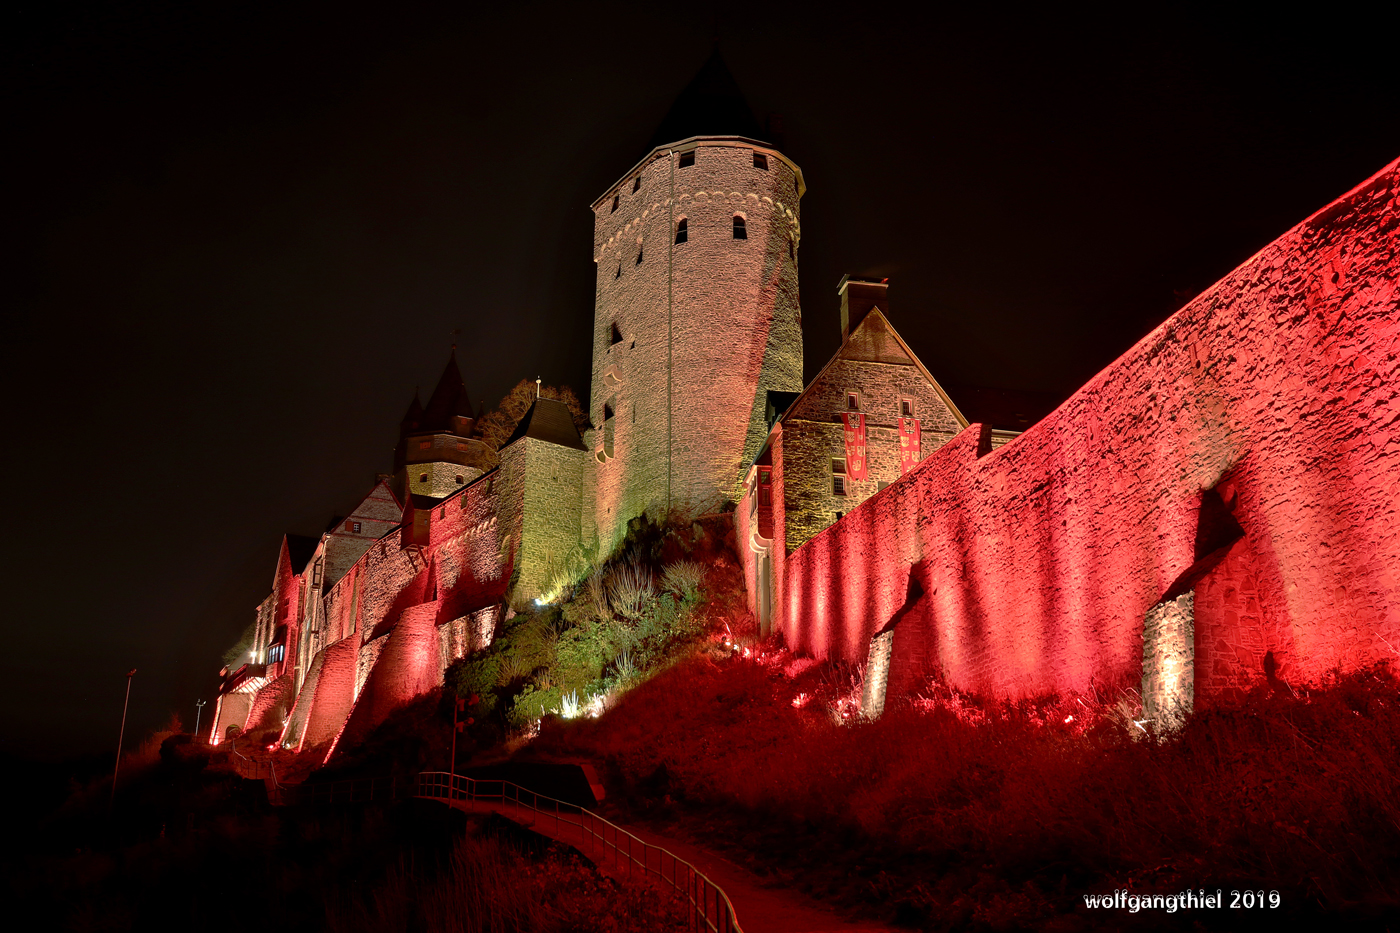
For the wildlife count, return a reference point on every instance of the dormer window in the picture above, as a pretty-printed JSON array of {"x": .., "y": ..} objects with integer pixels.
[
  {"x": 682, "y": 230},
  {"x": 741, "y": 230},
  {"x": 760, "y": 161},
  {"x": 617, "y": 199},
  {"x": 686, "y": 160}
]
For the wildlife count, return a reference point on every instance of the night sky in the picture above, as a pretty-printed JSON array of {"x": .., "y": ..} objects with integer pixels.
[{"x": 238, "y": 238}]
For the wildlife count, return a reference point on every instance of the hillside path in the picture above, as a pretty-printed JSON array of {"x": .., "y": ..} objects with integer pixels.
[{"x": 759, "y": 909}]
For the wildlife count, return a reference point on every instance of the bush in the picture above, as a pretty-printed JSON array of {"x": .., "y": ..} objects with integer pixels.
[
  {"x": 629, "y": 587},
  {"x": 683, "y": 578}
]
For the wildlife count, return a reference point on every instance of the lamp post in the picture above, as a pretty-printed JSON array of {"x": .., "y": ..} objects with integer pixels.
[
  {"x": 198, "y": 708},
  {"x": 120, "y": 737}
]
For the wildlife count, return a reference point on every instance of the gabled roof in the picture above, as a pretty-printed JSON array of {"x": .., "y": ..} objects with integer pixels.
[
  {"x": 876, "y": 341},
  {"x": 710, "y": 105},
  {"x": 548, "y": 420}
]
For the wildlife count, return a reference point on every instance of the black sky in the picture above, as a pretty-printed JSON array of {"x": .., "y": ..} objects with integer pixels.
[{"x": 238, "y": 238}]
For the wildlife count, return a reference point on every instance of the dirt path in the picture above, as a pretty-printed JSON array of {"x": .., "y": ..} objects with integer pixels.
[{"x": 759, "y": 909}]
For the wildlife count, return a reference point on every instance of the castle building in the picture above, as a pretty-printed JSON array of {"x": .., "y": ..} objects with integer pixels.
[{"x": 1156, "y": 526}]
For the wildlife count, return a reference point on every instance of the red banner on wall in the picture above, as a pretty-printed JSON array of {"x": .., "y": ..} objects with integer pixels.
[
  {"x": 909, "y": 438},
  {"x": 855, "y": 445}
]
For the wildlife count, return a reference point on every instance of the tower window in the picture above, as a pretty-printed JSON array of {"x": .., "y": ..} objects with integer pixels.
[
  {"x": 607, "y": 411},
  {"x": 422, "y": 477},
  {"x": 616, "y": 334},
  {"x": 617, "y": 198},
  {"x": 682, "y": 231},
  {"x": 760, "y": 161},
  {"x": 636, "y": 184},
  {"x": 792, "y": 250},
  {"x": 618, "y": 273},
  {"x": 639, "y": 255},
  {"x": 686, "y": 160},
  {"x": 741, "y": 230},
  {"x": 460, "y": 479},
  {"x": 852, "y": 401}
]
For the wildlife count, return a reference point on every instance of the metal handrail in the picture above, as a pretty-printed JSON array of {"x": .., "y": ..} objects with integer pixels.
[{"x": 709, "y": 905}]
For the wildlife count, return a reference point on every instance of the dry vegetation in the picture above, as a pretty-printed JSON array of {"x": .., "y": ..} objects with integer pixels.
[{"x": 948, "y": 813}]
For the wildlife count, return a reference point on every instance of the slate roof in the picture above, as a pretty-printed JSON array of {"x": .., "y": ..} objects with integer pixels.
[
  {"x": 449, "y": 398},
  {"x": 548, "y": 420},
  {"x": 710, "y": 105}
]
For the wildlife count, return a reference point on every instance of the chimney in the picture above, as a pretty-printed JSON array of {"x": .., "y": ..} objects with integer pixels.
[{"x": 858, "y": 296}]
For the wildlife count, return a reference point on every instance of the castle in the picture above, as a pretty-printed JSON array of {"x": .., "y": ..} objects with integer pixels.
[{"x": 1215, "y": 511}]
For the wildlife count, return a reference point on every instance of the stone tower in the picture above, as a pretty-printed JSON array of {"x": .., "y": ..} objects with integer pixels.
[
  {"x": 697, "y": 315},
  {"x": 440, "y": 449}
]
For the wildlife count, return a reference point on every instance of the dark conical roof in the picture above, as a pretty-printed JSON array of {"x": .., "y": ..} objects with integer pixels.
[
  {"x": 413, "y": 417},
  {"x": 448, "y": 399},
  {"x": 711, "y": 105}
]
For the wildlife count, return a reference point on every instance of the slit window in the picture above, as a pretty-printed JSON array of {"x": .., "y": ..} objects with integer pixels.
[
  {"x": 636, "y": 184},
  {"x": 741, "y": 230},
  {"x": 792, "y": 251},
  {"x": 686, "y": 160},
  {"x": 639, "y": 255},
  {"x": 607, "y": 411},
  {"x": 618, "y": 273},
  {"x": 617, "y": 199},
  {"x": 760, "y": 161},
  {"x": 682, "y": 230}
]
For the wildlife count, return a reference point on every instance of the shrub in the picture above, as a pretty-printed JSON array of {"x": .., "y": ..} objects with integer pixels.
[
  {"x": 629, "y": 587},
  {"x": 683, "y": 577}
]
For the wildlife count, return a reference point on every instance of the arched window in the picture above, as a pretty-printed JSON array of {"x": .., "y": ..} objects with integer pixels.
[
  {"x": 741, "y": 231},
  {"x": 681, "y": 231},
  {"x": 616, "y": 199}
]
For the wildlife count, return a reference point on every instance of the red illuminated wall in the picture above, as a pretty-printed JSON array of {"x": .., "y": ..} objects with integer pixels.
[{"x": 1032, "y": 567}]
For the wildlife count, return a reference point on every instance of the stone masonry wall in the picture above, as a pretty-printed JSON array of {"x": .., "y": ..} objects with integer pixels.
[
  {"x": 716, "y": 315},
  {"x": 1037, "y": 564}
]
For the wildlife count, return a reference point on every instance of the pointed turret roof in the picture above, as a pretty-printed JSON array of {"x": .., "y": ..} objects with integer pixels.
[
  {"x": 548, "y": 420},
  {"x": 449, "y": 397},
  {"x": 414, "y": 416},
  {"x": 711, "y": 105}
]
